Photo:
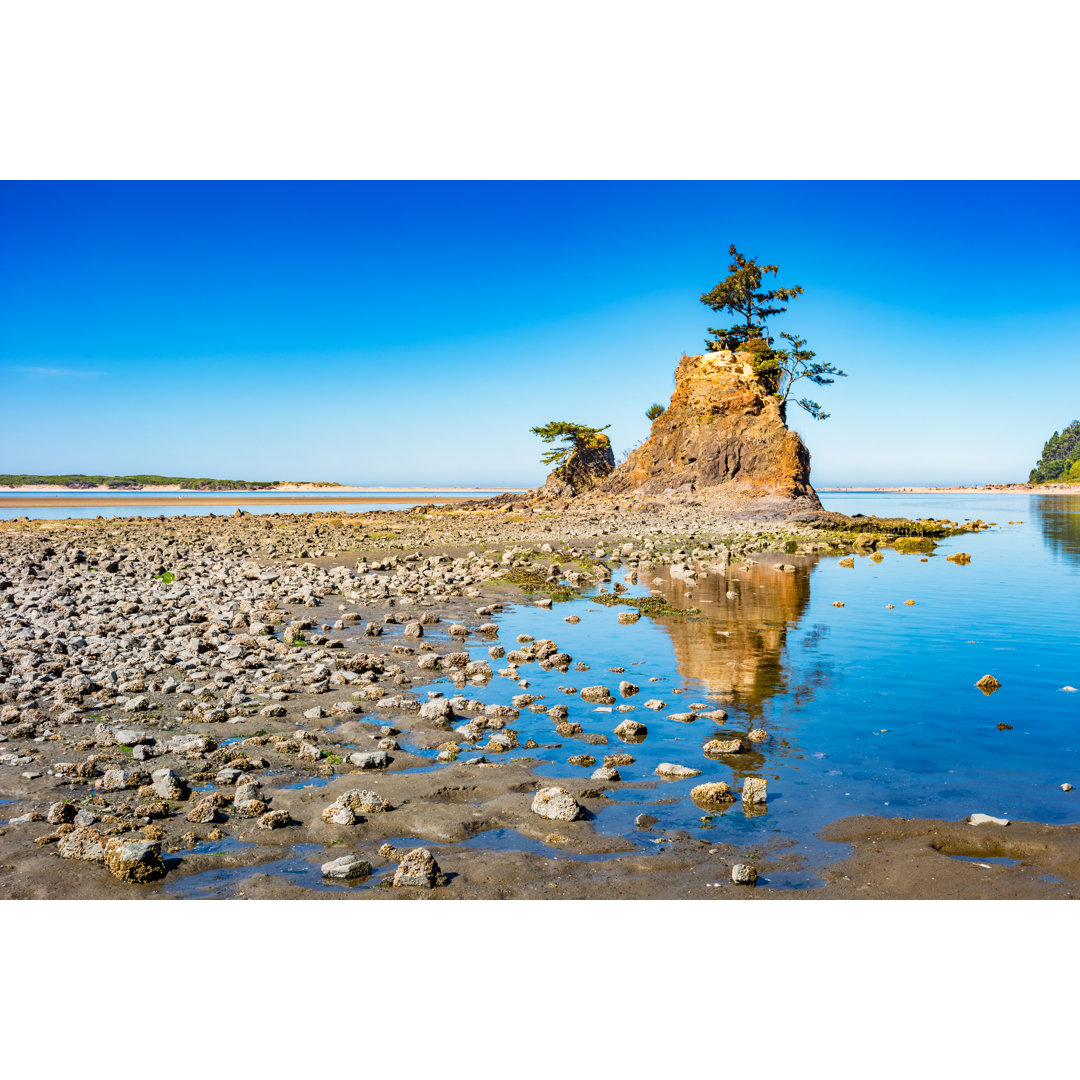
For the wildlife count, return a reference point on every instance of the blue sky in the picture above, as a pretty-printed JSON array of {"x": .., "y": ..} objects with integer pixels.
[{"x": 412, "y": 333}]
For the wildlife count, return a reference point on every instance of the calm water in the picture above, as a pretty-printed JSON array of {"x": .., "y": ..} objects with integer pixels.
[
  {"x": 870, "y": 710},
  {"x": 156, "y": 503}
]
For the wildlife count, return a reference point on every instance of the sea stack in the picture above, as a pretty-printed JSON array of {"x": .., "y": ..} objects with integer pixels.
[
  {"x": 722, "y": 436},
  {"x": 586, "y": 466}
]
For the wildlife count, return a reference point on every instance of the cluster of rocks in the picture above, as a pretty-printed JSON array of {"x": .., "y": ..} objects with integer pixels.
[{"x": 129, "y": 648}]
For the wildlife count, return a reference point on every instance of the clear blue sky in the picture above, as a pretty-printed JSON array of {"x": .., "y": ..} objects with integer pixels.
[{"x": 397, "y": 333}]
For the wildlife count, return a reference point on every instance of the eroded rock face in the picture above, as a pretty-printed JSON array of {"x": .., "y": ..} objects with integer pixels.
[
  {"x": 585, "y": 468},
  {"x": 722, "y": 434}
]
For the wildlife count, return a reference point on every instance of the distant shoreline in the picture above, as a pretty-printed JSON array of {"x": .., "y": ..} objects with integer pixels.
[
  {"x": 980, "y": 489},
  {"x": 62, "y": 489}
]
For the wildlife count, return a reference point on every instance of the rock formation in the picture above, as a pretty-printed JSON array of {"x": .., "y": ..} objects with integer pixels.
[
  {"x": 722, "y": 435},
  {"x": 587, "y": 466}
]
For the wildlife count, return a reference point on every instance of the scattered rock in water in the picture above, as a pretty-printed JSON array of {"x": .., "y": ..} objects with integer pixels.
[
  {"x": 627, "y": 618},
  {"x": 848, "y": 563},
  {"x": 720, "y": 747},
  {"x": 1066, "y": 787},
  {"x": 666, "y": 768},
  {"x": 632, "y": 731},
  {"x": 628, "y": 689},
  {"x": 988, "y": 684},
  {"x": 758, "y": 735},
  {"x": 347, "y": 868},
  {"x": 715, "y": 796},
  {"x": 608, "y": 773},
  {"x": 754, "y": 791},
  {"x": 586, "y": 761},
  {"x": 556, "y": 804},
  {"x": 645, "y": 821},
  {"x": 598, "y": 694}
]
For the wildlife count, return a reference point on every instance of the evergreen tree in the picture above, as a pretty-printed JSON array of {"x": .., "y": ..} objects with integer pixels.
[
  {"x": 574, "y": 437},
  {"x": 1060, "y": 458}
]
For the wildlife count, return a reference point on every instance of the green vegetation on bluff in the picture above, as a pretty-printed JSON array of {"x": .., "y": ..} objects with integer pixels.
[
  {"x": 79, "y": 481},
  {"x": 1060, "y": 461}
]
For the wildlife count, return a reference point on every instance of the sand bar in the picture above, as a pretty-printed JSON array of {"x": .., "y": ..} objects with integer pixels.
[{"x": 198, "y": 499}]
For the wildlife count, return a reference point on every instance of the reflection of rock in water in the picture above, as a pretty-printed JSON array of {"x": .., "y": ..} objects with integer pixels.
[
  {"x": 736, "y": 649},
  {"x": 1059, "y": 518}
]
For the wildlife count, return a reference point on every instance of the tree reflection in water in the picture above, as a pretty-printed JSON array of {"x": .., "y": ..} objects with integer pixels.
[
  {"x": 1059, "y": 518},
  {"x": 736, "y": 647}
]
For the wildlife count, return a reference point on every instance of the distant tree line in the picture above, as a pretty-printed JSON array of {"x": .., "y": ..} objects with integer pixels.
[
  {"x": 1060, "y": 460},
  {"x": 77, "y": 481}
]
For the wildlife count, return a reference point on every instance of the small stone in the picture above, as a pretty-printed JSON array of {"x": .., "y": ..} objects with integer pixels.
[
  {"x": 714, "y": 796},
  {"x": 758, "y": 735},
  {"x": 645, "y": 821},
  {"x": 417, "y": 868},
  {"x": 986, "y": 819},
  {"x": 1066, "y": 787},
  {"x": 675, "y": 772},
  {"x": 720, "y": 747},
  {"x": 346, "y": 868},
  {"x": 556, "y": 804},
  {"x": 988, "y": 684},
  {"x": 586, "y": 761},
  {"x": 632, "y": 731},
  {"x": 203, "y": 812},
  {"x": 134, "y": 860},
  {"x": 611, "y": 775},
  {"x": 274, "y": 819},
  {"x": 61, "y": 813},
  {"x": 754, "y": 791},
  {"x": 744, "y": 874}
]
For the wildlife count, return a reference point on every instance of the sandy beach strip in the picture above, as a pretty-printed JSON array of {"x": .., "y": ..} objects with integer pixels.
[
  {"x": 307, "y": 489},
  {"x": 20, "y": 502},
  {"x": 985, "y": 489}
]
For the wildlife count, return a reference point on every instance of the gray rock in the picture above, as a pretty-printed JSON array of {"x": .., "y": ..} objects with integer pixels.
[
  {"x": 556, "y": 804},
  {"x": 744, "y": 874},
  {"x": 417, "y": 868},
  {"x": 754, "y": 791},
  {"x": 675, "y": 772},
  {"x": 346, "y": 868},
  {"x": 374, "y": 759}
]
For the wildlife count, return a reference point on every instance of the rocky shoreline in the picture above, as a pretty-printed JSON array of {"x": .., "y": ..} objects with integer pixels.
[{"x": 188, "y": 697}]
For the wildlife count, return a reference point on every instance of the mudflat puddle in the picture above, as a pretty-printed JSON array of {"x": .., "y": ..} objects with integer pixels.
[
  {"x": 301, "y": 866},
  {"x": 870, "y": 707}
]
